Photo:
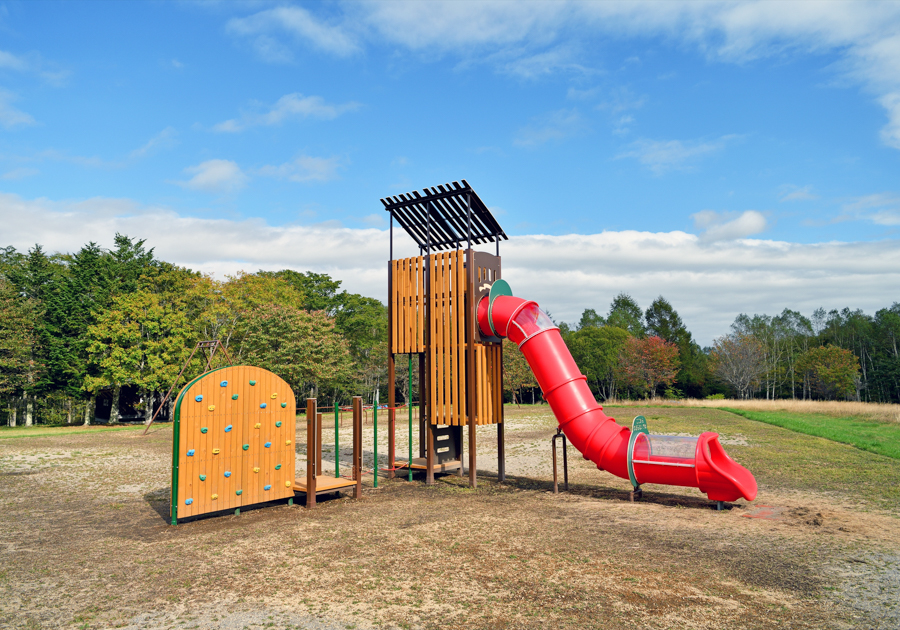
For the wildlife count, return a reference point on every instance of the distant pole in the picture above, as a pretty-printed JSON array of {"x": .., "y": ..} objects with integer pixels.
[{"x": 375, "y": 428}]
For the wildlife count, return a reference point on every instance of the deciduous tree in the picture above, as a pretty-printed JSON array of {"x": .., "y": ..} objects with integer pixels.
[{"x": 647, "y": 364}]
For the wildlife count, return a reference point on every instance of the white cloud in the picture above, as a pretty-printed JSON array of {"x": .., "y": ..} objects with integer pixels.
[
  {"x": 879, "y": 208},
  {"x": 557, "y": 125},
  {"x": 724, "y": 226},
  {"x": 304, "y": 168},
  {"x": 19, "y": 173},
  {"x": 215, "y": 176},
  {"x": 10, "y": 116},
  {"x": 298, "y": 23},
  {"x": 293, "y": 105},
  {"x": 796, "y": 193},
  {"x": 890, "y": 133},
  {"x": 708, "y": 282},
  {"x": 165, "y": 139},
  {"x": 661, "y": 156},
  {"x": 12, "y": 62}
]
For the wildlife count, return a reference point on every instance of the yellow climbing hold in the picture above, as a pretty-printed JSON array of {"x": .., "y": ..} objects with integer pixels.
[
  {"x": 215, "y": 451},
  {"x": 274, "y": 395},
  {"x": 258, "y": 425},
  {"x": 215, "y": 496},
  {"x": 287, "y": 484},
  {"x": 287, "y": 442},
  {"x": 256, "y": 470},
  {"x": 212, "y": 407}
]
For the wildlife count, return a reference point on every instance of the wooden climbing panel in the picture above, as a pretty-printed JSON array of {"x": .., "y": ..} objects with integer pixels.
[
  {"x": 234, "y": 441},
  {"x": 408, "y": 305}
]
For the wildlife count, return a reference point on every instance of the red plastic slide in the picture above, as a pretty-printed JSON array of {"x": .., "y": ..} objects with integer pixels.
[{"x": 692, "y": 462}]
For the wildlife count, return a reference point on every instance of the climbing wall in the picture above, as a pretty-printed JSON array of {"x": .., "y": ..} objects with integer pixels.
[{"x": 234, "y": 441}]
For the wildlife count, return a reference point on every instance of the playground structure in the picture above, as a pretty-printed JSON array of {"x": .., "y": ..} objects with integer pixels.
[
  {"x": 430, "y": 312},
  {"x": 233, "y": 446},
  {"x": 452, "y": 309}
]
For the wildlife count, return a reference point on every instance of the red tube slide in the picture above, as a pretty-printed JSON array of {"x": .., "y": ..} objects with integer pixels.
[{"x": 655, "y": 459}]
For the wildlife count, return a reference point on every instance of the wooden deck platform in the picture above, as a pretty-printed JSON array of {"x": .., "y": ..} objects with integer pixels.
[
  {"x": 325, "y": 485},
  {"x": 421, "y": 463}
]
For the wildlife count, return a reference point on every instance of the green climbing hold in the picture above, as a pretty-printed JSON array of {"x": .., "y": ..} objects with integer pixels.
[
  {"x": 203, "y": 429},
  {"x": 283, "y": 405},
  {"x": 246, "y": 446},
  {"x": 234, "y": 397},
  {"x": 238, "y": 492},
  {"x": 278, "y": 424},
  {"x": 278, "y": 467},
  {"x": 202, "y": 477},
  {"x": 252, "y": 383}
]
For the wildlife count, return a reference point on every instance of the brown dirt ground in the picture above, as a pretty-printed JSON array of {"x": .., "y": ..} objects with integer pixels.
[{"x": 85, "y": 542}]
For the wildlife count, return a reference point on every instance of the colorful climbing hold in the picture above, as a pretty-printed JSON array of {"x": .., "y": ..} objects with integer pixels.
[
  {"x": 278, "y": 424},
  {"x": 274, "y": 395},
  {"x": 190, "y": 453},
  {"x": 234, "y": 397},
  {"x": 267, "y": 488},
  {"x": 252, "y": 383},
  {"x": 228, "y": 429},
  {"x": 202, "y": 477},
  {"x": 203, "y": 429},
  {"x": 287, "y": 442},
  {"x": 278, "y": 467},
  {"x": 188, "y": 501},
  {"x": 268, "y": 444},
  {"x": 238, "y": 492},
  {"x": 223, "y": 384},
  {"x": 215, "y": 496},
  {"x": 283, "y": 405},
  {"x": 257, "y": 425},
  {"x": 262, "y": 405},
  {"x": 212, "y": 407},
  {"x": 227, "y": 473},
  {"x": 199, "y": 398},
  {"x": 256, "y": 470},
  {"x": 287, "y": 484},
  {"x": 245, "y": 446},
  {"x": 215, "y": 451}
]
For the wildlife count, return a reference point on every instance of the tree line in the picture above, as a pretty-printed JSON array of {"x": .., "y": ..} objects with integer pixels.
[{"x": 87, "y": 328}]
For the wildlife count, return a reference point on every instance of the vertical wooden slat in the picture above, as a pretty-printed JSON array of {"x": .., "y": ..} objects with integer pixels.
[
  {"x": 445, "y": 325},
  {"x": 460, "y": 348},
  {"x": 453, "y": 345},
  {"x": 420, "y": 296},
  {"x": 311, "y": 452}
]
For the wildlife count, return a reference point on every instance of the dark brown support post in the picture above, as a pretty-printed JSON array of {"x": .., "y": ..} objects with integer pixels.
[
  {"x": 311, "y": 434},
  {"x": 429, "y": 406},
  {"x": 422, "y": 398},
  {"x": 357, "y": 446},
  {"x": 501, "y": 452},
  {"x": 392, "y": 414},
  {"x": 318, "y": 442},
  {"x": 471, "y": 383}
]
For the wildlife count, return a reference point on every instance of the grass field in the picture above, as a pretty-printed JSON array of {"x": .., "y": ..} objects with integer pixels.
[
  {"x": 86, "y": 542},
  {"x": 8, "y": 433}
]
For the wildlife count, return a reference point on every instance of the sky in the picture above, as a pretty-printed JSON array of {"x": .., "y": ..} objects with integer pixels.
[{"x": 739, "y": 157}]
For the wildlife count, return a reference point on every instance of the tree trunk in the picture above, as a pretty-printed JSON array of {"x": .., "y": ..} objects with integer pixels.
[
  {"x": 68, "y": 411},
  {"x": 148, "y": 408},
  {"x": 114, "y": 406},
  {"x": 87, "y": 412},
  {"x": 12, "y": 413},
  {"x": 29, "y": 411}
]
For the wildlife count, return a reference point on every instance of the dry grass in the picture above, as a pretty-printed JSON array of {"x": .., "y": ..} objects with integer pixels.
[{"x": 882, "y": 412}]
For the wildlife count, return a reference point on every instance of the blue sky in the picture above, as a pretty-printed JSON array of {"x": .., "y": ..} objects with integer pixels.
[{"x": 695, "y": 135}]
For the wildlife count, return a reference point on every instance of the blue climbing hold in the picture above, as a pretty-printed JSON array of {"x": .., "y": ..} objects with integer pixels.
[
  {"x": 223, "y": 384},
  {"x": 278, "y": 424},
  {"x": 199, "y": 398},
  {"x": 278, "y": 467},
  {"x": 227, "y": 474},
  {"x": 228, "y": 428},
  {"x": 267, "y": 488},
  {"x": 262, "y": 405},
  {"x": 188, "y": 501},
  {"x": 190, "y": 453},
  {"x": 268, "y": 444},
  {"x": 202, "y": 477},
  {"x": 283, "y": 405},
  {"x": 203, "y": 430}
]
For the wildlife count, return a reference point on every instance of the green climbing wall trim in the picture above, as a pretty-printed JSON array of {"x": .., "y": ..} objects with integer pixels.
[
  {"x": 498, "y": 288},
  {"x": 638, "y": 426}
]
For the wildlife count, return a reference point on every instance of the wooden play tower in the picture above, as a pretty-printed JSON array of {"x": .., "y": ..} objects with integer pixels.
[{"x": 431, "y": 308}]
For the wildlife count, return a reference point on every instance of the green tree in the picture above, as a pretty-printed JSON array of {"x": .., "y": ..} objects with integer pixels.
[
  {"x": 517, "y": 373},
  {"x": 596, "y": 352},
  {"x": 625, "y": 313},
  {"x": 830, "y": 372},
  {"x": 302, "y": 348},
  {"x": 590, "y": 319},
  {"x": 739, "y": 360},
  {"x": 18, "y": 366}
]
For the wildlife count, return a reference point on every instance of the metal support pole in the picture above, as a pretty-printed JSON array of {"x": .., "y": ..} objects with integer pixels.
[
  {"x": 311, "y": 434},
  {"x": 357, "y": 446},
  {"x": 560, "y": 434},
  {"x": 375, "y": 445},
  {"x": 337, "y": 442},
  {"x": 410, "y": 415}
]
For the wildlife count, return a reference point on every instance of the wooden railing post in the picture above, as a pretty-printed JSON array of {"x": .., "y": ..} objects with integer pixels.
[{"x": 312, "y": 434}]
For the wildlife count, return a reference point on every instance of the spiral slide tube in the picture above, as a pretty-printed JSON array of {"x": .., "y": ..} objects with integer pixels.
[{"x": 592, "y": 432}]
